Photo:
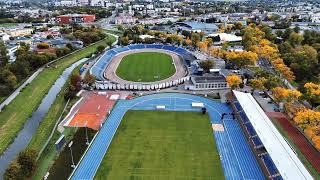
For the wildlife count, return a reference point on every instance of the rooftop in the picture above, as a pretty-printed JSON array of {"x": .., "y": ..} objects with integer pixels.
[
  {"x": 283, "y": 156},
  {"x": 209, "y": 79}
]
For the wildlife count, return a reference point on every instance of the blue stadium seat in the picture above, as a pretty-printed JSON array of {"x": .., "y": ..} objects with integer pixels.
[
  {"x": 244, "y": 117},
  {"x": 154, "y": 46},
  {"x": 238, "y": 106},
  {"x": 250, "y": 129},
  {"x": 256, "y": 141},
  {"x": 169, "y": 48},
  {"x": 269, "y": 164},
  {"x": 111, "y": 52},
  {"x": 136, "y": 46},
  {"x": 121, "y": 49}
]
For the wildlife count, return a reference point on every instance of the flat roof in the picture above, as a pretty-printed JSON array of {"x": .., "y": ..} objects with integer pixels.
[
  {"x": 283, "y": 156},
  {"x": 208, "y": 79}
]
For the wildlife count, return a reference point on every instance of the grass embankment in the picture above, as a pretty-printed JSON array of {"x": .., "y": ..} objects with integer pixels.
[
  {"x": 44, "y": 130},
  {"x": 13, "y": 117},
  {"x": 162, "y": 145},
  {"x": 304, "y": 160},
  {"x": 146, "y": 67}
]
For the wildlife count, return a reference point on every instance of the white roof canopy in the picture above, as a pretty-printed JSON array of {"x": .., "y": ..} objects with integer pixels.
[{"x": 283, "y": 156}]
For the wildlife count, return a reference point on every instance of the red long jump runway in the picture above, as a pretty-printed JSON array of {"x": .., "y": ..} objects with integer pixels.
[
  {"x": 306, "y": 148},
  {"x": 93, "y": 111}
]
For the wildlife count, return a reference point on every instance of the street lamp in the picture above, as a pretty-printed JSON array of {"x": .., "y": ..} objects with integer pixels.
[
  {"x": 73, "y": 165},
  {"x": 87, "y": 139}
]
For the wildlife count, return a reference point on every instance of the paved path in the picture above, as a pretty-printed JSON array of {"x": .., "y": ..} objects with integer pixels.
[
  {"x": 17, "y": 91},
  {"x": 35, "y": 74}
]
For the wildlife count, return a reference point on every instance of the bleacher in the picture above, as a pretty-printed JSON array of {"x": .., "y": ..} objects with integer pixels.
[
  {"x": 250, "y": 129},
  {"x": 238, "y": 106},
  {"x": 271, "y": 167},
  {"x": 121, "y": 49},
  {"x": 169, "y": 48},
  {"x": 136, "y": 46},
  {"x": 257, "y": 141},
  {"x": 154, "y": 46},
  {"x": 103, "y": 62},
  {"x": 112, "y": 52}
]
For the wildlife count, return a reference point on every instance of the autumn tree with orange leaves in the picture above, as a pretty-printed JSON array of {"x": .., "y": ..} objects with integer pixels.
[
  {"x": 285, "y": 95},
  {"x": 312, "y": 93},
  {"x": 233, "y": 81},
  {"x": 309, "y": 121}
]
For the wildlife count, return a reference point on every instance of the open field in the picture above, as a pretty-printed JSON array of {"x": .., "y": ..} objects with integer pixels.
[
  {"x": 11, "y": 120},
  {"x": 162, "y": 145},
  {"x": 146, "y": 67}
]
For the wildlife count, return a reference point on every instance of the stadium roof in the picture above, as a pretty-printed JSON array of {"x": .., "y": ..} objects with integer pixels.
[{"x": 283, "y": 156}]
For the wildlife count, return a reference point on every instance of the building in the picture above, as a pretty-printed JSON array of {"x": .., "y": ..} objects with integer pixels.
[
  {"x": 207, "y": 82},
  {"x": 75, "y": 18},
  {"x": 19, "y": 32},
  {"x": 4, "y": 37},
  {"x": 195, "y": 26},
  {"x": 224, "y": 37}
]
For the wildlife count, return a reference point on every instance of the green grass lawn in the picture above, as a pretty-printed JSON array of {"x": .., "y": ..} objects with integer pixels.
[
  {"x": 162, "y": 145},
  {"x": 146, "y": 67},
  {"x": 13, "y": 117}
]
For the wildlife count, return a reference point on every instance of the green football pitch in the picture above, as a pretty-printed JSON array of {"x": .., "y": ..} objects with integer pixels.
[
  {"x": 162, "y": 145},
  {"x": 146, "y": 67}
]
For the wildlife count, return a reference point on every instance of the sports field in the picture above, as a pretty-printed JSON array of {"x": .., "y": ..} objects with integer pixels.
[
  {"x": 146, "y": 67},
  {"x": 162, "y": 145}
]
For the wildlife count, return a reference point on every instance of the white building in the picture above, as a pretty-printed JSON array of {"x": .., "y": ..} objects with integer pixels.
[
  {"x": 207, "y": 83},
  {"x": 4, "y": 37}
]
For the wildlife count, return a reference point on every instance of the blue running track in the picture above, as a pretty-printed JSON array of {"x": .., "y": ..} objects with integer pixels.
[{"x": 236, "y": 156}]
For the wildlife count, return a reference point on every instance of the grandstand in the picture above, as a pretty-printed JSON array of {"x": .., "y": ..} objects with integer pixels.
[
  {"x": 279, "y": 159},
  {"x": 99, "y": 67}
]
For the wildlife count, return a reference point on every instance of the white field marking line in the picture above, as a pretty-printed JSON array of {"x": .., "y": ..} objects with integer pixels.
[
  {"x": 223, "y": 148},
  {"x": 235, "y": 153}
]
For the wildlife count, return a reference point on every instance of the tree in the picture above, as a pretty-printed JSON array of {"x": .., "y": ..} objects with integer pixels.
[
  {"x": 13, "y": 171},
  {"x": 316, "y": 141},
  {"x": 233, "y": 81},
  {"x": 100, "y": 48},
  {"x": 241, "y": 59},
  {"x": 27, "y": 161},
  {"x": 312, "y": 93},
  {"x": 4, "y": 59},
  {"x": 295, "y": 39},
  {"x": 43, "y": 46},
  {"x": 89, "y": 79},
  {"x": 206, "y": 65},
  {"x": 124, "y": 40},
  {"x": 49, "y": 36},
  {"x": 285, "y": 95},
  {"x": 257, "y": 83},
  {"x": 306, "y": 118},
  {"x": 75, "y": 81},
  {"x": 188, "y": 42}
]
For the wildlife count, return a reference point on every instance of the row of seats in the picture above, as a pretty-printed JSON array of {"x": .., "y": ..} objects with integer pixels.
[
  {"x": 269, "y": 164},
  {"x": 98, "y": 69},
  {"x": 272, "y": 169}
]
